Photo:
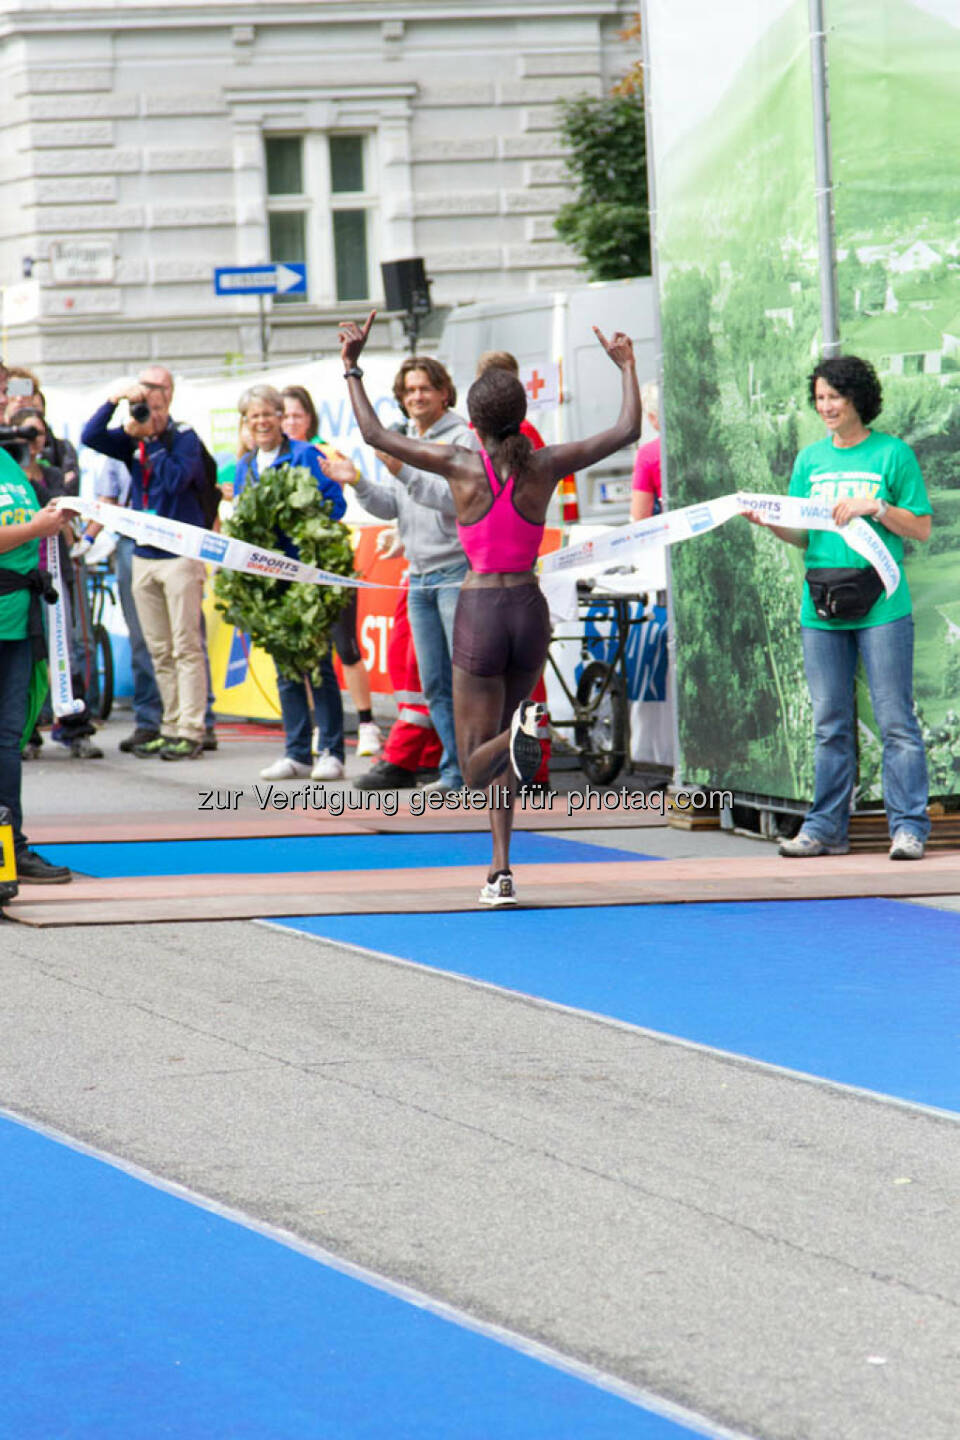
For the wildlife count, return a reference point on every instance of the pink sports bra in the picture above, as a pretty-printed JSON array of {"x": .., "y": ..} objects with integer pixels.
[{"x": 502, "y": 540}]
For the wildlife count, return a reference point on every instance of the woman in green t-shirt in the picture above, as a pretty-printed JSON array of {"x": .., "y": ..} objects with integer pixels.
[
  {"x": 23, "y": 523},
  {"x": 859, "y": 471}
]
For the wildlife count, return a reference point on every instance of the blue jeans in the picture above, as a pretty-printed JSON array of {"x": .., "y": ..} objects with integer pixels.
[
  {"x": 297, "y": 721},
  {"x": 830, "y": 659},
  {"x": 209, "y": 716},
  {"x": 16, "y": 667},
  {"x": 147, "y": 705},
  {"x": 431, "y": 604}
]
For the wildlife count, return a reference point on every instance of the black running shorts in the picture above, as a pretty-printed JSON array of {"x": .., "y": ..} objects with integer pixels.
[{"x": 500, "y": 629}]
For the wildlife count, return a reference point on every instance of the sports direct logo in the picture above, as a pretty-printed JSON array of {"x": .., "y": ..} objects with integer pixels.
[{"x": 262, "y": 564}]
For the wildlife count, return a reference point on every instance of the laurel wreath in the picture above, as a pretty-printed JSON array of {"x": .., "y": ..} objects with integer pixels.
[{"x": 290, "y": 620}]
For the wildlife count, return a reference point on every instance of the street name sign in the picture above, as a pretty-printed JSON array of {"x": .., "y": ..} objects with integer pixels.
[{"x": 81, "y": 262}]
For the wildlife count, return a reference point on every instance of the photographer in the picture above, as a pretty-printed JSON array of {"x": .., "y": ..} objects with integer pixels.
[
  {"x": 23, "y": 390},
  {"x": 74, "y": 731},
  {"x": 166, "y": 462},
  {"x": 22, "y": 525}
]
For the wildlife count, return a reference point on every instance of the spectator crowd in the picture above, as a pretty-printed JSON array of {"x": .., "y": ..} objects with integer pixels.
[{"x": 153, "y": 463}]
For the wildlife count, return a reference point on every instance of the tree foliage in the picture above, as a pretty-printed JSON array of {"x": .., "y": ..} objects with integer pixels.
[
  {"x": 608, "y": 223},
  {"x": 291, "y": 621},
  {"x": 632, "y": 82}
]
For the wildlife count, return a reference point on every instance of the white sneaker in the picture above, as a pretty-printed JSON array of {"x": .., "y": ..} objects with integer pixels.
[
  {"x": 328, "y": 767},
  {"x": 805, "y": 845},
  {"x": 906, "y": 846},
  {"x": 285, "y": 769},
  {"x": 499, "y": 890},
  {"x": 369, "y": 738}
]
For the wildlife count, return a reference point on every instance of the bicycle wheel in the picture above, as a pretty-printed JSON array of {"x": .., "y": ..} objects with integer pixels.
[
  {"x": 601, "y": 737},
  {"x": 103, "y": 659}
]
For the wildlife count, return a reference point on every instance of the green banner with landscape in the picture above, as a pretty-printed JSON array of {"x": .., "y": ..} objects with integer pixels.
[{"x": 739, "y": 277}]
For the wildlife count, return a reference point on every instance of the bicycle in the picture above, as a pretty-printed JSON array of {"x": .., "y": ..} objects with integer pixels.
[{"x": 601, "y": 711}]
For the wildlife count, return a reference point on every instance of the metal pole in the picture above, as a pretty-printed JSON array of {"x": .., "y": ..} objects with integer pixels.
[
  {"x": 826, "y": 230},
  {"x": 264, "y": 332},
  {"x": 677, "y": 776}
]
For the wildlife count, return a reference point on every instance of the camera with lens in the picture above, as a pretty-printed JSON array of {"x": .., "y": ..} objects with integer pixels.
[
  {"x": 15, "y": 439},
  {"x": 140, "y": 411}
]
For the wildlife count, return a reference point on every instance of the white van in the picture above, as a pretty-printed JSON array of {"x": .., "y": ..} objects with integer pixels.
[{"x": 552, "y": 337}]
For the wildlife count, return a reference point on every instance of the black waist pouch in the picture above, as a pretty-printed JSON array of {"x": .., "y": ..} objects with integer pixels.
[
  {"x": 844, "y": 594},
  {"x": 39, "y": 584}
]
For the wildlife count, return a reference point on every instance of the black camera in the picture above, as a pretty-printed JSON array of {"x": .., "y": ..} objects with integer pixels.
[
  {"x": 140, "y": 411},
  {"x": 15, "y": 439}
]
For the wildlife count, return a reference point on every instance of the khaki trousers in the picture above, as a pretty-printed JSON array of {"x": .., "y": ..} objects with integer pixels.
[{"x": 168, "y": 595}]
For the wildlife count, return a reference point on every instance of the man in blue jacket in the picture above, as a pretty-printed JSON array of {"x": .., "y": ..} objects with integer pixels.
[{"x": 166, "y": 462}]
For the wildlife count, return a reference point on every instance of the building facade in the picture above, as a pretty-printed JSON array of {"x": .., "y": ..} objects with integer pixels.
[{"x": 144, "y": 145}]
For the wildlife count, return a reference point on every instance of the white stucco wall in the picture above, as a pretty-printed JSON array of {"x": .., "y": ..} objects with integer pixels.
[{"x": 142, "y": 124}]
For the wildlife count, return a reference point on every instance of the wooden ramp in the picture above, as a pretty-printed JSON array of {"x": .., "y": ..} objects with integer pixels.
[
  {"x": 363, "y": 892},
  {"x": 253, "y": 824}
]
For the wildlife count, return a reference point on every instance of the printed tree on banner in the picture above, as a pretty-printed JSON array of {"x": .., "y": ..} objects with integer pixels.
[{"x": 726, "y": 705}]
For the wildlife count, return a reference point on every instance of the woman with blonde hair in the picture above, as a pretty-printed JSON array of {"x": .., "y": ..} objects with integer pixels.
[
  {"x": 261, "y": 407},
  {"x": 301, "y": 422}
]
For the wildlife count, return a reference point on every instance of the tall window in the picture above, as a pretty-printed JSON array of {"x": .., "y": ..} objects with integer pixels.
[
  {"x": 349, "y": 205},
  {"x": 287, "y": 203},
  {"x": 321, "y": 206}
]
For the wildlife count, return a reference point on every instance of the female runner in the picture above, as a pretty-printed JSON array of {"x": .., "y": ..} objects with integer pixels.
[{"x": 502, "y": 624}]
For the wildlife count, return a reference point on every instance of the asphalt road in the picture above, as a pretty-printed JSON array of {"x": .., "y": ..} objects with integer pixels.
[{"x": 777, "y": 1254}]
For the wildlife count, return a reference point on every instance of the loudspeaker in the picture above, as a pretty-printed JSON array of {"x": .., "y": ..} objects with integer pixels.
[{"x": 406, "y": 287}]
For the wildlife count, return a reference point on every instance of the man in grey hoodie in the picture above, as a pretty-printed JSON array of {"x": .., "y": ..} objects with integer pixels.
[{"x": 422, "y": 505}]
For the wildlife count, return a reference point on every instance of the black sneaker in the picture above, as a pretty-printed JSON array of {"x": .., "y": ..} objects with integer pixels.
[
  {"x": 384, "y": 776},
  {"x": 141, "y": 736},
  {"x": 210, "y": 739},
  {"x": 526, "y": 752},
  {"x": 85, "y": 750},
  {"x": 182, "y": 750},
  {"x": 152, "y": 749},
  {"x": 32, "y": 869},
  {"x": 30, "y": 751}
]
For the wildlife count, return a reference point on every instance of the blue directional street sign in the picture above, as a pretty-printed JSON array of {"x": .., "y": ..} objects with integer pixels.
[{"x": 276, "y": 279}]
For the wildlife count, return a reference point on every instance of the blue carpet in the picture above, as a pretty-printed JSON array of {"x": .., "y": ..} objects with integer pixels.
[
  {"x": 130, "y": 1314},
  {"x": 864, "y": 992},
  {"x": 289, "y": 854}
]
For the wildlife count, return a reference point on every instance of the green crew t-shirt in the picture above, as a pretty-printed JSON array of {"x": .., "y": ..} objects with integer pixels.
[
  {"x": 18, "y": 505},
  {"x": 879, "y": 468}
]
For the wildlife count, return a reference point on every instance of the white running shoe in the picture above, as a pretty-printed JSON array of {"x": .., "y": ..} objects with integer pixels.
[
  {"x": 369, "y": 738},
  {"x": 805, "y": 845},
  {"x": 328, "y": 767},
  {"x": 499, "y": 890},
  {"x": 285, "y": 769},
  {"x": 906, "y": 846},
  {"x": 526, "y": 752}
]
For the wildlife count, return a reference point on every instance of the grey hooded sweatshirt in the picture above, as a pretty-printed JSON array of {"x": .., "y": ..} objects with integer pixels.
[{"x": 422, "y": 503}]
